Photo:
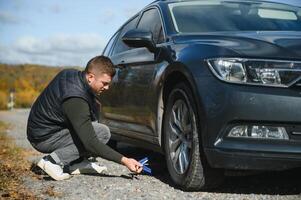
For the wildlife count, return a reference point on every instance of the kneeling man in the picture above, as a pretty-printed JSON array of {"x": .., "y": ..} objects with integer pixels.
[{"x": 63, "y": 122}]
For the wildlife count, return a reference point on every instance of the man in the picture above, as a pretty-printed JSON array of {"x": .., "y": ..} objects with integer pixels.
[{"x": 63, "y": 122}]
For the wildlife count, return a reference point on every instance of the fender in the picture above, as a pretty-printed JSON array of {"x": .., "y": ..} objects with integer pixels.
[{"x": 189, "y": 58}]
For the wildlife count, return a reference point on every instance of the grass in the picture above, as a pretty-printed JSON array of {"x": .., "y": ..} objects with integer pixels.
[{"x": 13, "y": 166}]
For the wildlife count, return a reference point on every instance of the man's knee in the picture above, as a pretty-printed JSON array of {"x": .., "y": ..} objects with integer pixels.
[{"x": 102, "y": 131}]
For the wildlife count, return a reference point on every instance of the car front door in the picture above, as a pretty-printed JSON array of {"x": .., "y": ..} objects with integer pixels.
[{"x": 136, "y": 68}]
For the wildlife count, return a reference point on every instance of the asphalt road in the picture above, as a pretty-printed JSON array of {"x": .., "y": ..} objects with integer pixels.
[{"x": 117, "y": 184}]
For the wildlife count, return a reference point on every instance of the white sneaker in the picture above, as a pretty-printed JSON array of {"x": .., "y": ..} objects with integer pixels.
[
  {"x": 86, "y": 167},
  {"x": 53, "y": 170}
]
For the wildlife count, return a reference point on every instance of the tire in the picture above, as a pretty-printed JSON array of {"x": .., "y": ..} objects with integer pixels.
[{"x": 185, "y": 159}]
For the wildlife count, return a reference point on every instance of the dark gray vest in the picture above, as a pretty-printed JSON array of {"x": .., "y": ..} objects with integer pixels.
[{"x": 46, "y": 116}]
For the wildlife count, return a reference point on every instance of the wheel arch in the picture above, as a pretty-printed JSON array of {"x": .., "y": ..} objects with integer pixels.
[{"x": 174, "y": 73}]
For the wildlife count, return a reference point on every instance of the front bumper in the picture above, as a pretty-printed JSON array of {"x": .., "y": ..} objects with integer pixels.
[
  {"x": 252, "y": 160},
  {"x": 223, "y": 105}
]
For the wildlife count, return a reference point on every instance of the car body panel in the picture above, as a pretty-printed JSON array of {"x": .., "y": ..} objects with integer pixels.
[{"x": 279, "y": 45}]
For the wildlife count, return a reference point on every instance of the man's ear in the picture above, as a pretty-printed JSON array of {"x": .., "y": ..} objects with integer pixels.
[{"x": 90, "y": 77}]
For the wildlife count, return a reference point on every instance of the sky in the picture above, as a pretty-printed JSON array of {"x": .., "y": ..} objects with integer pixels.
[{"x": 62, "y": 32}]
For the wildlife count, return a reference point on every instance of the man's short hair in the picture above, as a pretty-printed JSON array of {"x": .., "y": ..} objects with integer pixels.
[{"x": 100, "y": 65}]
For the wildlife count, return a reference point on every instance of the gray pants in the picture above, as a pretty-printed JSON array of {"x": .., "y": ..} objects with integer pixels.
[{"x": 65, "y": 146}]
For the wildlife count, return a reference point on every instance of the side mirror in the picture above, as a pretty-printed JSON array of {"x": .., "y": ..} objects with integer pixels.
[{"x": 139, "y": 38}]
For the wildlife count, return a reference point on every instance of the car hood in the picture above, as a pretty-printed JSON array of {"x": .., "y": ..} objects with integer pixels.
[{"x": 279, "y": 45}]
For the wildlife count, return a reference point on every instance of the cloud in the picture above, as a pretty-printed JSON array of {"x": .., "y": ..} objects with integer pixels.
[
  {"x": 66, "y": 50},
  {"x": 8, "y": 18}
]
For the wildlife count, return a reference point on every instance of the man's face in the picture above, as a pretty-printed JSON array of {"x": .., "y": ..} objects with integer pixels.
[{"x": 99, "y": 83}]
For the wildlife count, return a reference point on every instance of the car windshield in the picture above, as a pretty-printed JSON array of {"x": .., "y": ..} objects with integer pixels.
[{"x": 213, "y": 16}]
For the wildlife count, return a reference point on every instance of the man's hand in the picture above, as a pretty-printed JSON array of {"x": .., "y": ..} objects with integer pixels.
[{"x": 132, "y": 164}]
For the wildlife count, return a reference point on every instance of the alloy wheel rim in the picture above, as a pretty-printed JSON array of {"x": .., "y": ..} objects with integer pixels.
[{"x": 181, "y": 127}]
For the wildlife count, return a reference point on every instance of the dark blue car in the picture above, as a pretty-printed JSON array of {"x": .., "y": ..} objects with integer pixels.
[{"x": 212, "y": 84}]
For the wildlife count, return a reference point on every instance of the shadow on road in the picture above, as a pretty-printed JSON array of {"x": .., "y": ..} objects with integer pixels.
[
  {"x": 272, "y": 183},
  {"x": 269, "y": 183}
]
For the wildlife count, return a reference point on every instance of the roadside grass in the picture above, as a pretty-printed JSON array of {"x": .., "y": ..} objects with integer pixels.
[{"x": 13, "y": 166}]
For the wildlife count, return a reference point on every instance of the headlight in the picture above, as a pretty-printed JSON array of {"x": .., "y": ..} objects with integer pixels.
[
  {"x": 256, "y": 72},
  {"x": 258, "y": 132}
]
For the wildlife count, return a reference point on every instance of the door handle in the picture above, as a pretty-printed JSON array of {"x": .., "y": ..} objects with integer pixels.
[{"x": 121, "y": 65}]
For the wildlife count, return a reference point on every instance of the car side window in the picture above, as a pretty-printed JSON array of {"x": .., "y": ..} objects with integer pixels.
[
  {"x": 151, "y": 21},
  {"x": 120, "y": 45},
  {"x": 109, "y": 46}
]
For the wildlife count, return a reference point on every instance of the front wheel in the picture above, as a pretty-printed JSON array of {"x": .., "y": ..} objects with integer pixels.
[{"x": 185, "y": 161}]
